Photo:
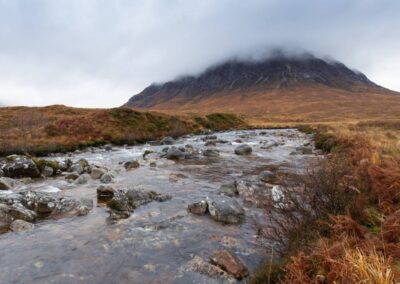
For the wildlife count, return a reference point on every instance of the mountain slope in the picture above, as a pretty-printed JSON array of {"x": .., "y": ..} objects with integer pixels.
[{"x": 279, "y": 86}]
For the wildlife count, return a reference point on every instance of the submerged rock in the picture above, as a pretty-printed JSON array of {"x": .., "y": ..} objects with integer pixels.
[
  {"x": 229, "y": 189},
  {"x": 82, "y": 179},
  {"x": 229, "y": 263},
  {"x": 19, "y": 166},
  {"x": 8, "y": 183},
  {"x": 266, "y": 176},
  {"x": 97, "y": 173},
  {"x": 126, "y": 200},
  {"x": 131, "y": 165},
  {"x": 243, "y": 149},
  {"x": 106, "y": 178},
  {"x": 21, "y": 226},
  {"x": 225, "y": 209},
  {"x": 211, "y": 153}
]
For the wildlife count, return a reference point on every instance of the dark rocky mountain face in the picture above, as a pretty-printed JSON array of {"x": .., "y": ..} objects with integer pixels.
[{"x": 277, "y": 72}]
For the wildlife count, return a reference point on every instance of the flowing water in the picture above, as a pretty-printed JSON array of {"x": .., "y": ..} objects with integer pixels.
[{"x": 156, "y": 243}]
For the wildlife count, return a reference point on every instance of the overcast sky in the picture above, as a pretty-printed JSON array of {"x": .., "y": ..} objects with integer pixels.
[{"x": 99, "y": 53}]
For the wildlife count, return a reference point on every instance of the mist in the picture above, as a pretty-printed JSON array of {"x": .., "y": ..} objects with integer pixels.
[{"x": 100, "y": 53}]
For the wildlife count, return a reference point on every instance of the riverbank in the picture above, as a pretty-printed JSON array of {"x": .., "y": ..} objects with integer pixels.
[{"x": 353, "y": 234}]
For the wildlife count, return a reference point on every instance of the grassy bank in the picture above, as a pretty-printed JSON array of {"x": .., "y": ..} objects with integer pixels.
[
  {"x": 40, "y": 131},
  {"x": 347, "y": 227}
]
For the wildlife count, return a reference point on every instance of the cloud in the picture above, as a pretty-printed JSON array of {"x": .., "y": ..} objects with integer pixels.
[{"x": 99, "y": 53}]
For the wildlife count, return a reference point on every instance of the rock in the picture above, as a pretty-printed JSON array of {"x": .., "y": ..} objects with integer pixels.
[
  {"x": 211, "y": 153},
  {"x": 82, "y": 179},
  {"x": 126, "y": 200},
  {"x": 106, "y": 178},
  {"x": 175, "y": 154},
  {"x": 243, "y": 149},
  {"x": 230, "y": 263},
  {"x": 5, "y": 218},
  {"x": 174, "y": 177},
  {"x": 108, "y": 148},
  {"x": 97, "y": 173},
  {"x": 18, "y": 211},
  {"x": 105, "y": 192},
  {"x": 47, "y": 171},
  {"x": 266, "y": 176},
  {"x": 153, "y": 164},
  {"x": 199, "y": 208},
  {"x": 1, "y": 171},
  {"x": 210, "y": 143},
  {"x": 77, "y": 168},
  {"x": 131, "y": 165},
  {"x": 146, "y": 152},
  {"x": 229, "y": 189},
  {"x": 306, "y": 151},
  {"x": 167, "y": 141},
  {"x": 70, "y": 207},
  {"x": 238, "y": 141},
  {"x": 199, "y": 265},
  {"x": 72, "y": 176},
  {"x": 21, "y": 226},
  {"x": 8, "y": 183},
  {"x": 40, "y": 202},
  {"x": 65, "y": 165},
  {"x": 19, "y": 166},
  {"x": 263, "y": 133},
  {"x": 210, "y": 137},
  {"x": 225, "y": 209}
]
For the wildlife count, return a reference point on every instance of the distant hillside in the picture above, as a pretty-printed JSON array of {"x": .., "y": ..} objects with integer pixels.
[
  {"x": 280, "y": 86},
  {"x": 41, "y": 130}
]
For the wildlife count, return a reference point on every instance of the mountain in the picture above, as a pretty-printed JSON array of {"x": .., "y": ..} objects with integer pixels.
[{"x": 299, "y": 86}]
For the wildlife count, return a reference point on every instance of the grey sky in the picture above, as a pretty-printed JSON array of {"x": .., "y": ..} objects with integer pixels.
[{"x": 99, "y": 53}]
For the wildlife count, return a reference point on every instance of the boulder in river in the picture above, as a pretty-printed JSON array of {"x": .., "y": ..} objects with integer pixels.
[
  {"x": 175, "y": 154},
  {"x": 106, "y": 178},
  {"x": 71, "y": 176},
  {"x": 211, "y": 153},
  {"x": 97, "y": 173},
  {"x": 210, "y": 143},
  {"x": 47, "y": 171},
  {"x": 198, "y": 208},
  {"x": 105, "y": 192},
  {"x": 130, "y": 165},
  {"x": 19, "y": 166},
  {"x": 225, "y": 209},
  {"x": 21, "y": 226},
  {"x": 266, "y": 176},
  {"x": 229, "y": 189},
  {"x": 126, "y": 200},
  {"x": 230, "y": 263},
  {"x": 82, "y": 179},
  {"x": 167, "y": 141},
  {"x": 243, "y": 149}
]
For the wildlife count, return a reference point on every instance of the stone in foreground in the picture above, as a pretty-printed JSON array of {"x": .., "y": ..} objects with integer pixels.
[
  {"x": 198, "y": 208},
  {"x": 229, "y": 263},
  {"x": 225, "y": 209}
]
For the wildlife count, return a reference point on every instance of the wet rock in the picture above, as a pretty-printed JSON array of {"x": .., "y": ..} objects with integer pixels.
[
  {"x": 18, "y": 211},
  {"x": 238, "y": 140},
  {"x": 210, "y": 137},
  {"x": 97, "y": 173},
  {"x": 210, "y": 143},
  {"x": 41, "y": 203},
  {"x": 263, "y": 133},
  {"x": 225, "y": 209},
  {"x": 8, "y": 183},
  {"x": 105, "y": 192},
  {"x": 126, "y": 200},
  {"x": 199, "y": 265},
  {"x": 153, "y": 164},
  {"x": 198, "y": 208},
  {"x": 18, "y": 166},
  {"x": 1, "y": 171},
  {"x": 5, "y": 218},
  {"x": 175, "y": 154},
  {"x": 211, "y": 153},
  {"x": 108, "y": 148},
  {"x": 146, "y": 153},
  {"x": 243, "y": 149},
  {"x": 65, "y": 165},
  {"x": 229, "y": 189},
  {"x": 72, "y": 176},
  {"x": 69, "y": 207},
  {"x": 47, "y": 171},
  {"x": 167, "y": 141},
  {"x": 77, "y": 168},
  {"x": 106, "y": 178},
  {"x": 131, "y": 165},
  {"x": 174, "y": 177},
  {"x": 266, "y": 176},
  {"x": 82, "y": 179},
  {"x": 229, "y": 263},
  {"x": 21, "y": 226}
]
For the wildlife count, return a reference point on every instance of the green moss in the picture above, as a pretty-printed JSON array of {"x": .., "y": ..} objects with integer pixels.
[{"x": 41, "y": 164}]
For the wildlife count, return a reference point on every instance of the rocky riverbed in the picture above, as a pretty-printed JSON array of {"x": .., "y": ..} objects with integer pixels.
[{"x": 171, "y": 211}]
